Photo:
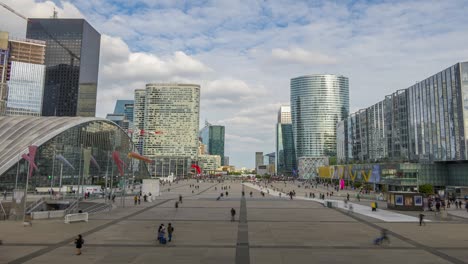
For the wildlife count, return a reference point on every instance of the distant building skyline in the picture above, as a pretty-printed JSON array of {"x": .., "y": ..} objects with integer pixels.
[
  {"x": 123, "y": 114},
  {"x": 213, "y": 138}
]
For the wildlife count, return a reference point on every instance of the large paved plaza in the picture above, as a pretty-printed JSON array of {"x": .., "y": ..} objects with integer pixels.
[{"x": 267, "y": 230}]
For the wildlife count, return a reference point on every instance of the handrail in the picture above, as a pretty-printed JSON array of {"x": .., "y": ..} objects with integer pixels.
[
  {"x": 3, "y": 209},
  {"x": 34, "y": 205},
  {"x": 71, "y": 207}
]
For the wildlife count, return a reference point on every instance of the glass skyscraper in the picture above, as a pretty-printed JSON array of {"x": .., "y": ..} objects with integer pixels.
[
  {"x": 318, "y": 102},
  {"x": 72, "y": 64},
  {"x": 285, "y": 153},
  {"x": 213, "y": 137}
]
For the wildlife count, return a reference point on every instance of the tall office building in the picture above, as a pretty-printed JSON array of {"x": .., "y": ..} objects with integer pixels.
[
  {"x": 285, "y": 152},
  {"x": 318, "y": 102},
  {"x": 258, "y": 159},
  {"x": 22, "y": 73},
  {"x": 213, "y": 137},
  {"x": 167, "y": 118},
  {"x": 72, "y": 64},
  {"x": 284, "y": 114}
]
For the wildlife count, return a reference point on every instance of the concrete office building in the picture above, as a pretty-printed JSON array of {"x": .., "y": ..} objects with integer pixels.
[
  {"x": 166, "y": 117},
  {"x": 22, "y": 74},
  {"x": 72, "y": 65},
  {"x": 258, "y": 159}
]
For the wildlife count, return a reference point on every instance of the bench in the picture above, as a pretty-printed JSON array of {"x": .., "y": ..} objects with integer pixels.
[{"x": 76, "y": 217}]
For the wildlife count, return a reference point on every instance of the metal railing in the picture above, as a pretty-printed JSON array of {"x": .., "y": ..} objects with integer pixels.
[
  {"x": 34, "y": 205},
  {"x": 3, "y": 213}
]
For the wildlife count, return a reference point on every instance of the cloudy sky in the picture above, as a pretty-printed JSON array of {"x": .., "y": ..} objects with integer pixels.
[{"x": 243, "y": 53}]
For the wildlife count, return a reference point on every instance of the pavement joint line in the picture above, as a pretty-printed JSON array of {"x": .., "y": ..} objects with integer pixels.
[
  {"x": 242, "y": 246},
  {"x": 235, "y": 246},
  {"x": 52, "y": 247},
  {"x": 416, "y": 244}
]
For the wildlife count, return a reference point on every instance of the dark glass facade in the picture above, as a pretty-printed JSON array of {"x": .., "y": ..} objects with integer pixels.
[
  {"x": 213, "y": 138},
  {"x": 72, "y": 63},
  {"x": 285, "y": 155}
]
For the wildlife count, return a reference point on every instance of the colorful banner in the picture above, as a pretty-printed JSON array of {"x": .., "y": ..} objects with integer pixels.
[
  {"x": 120, "y": 164},
  {"x": 86, "y": 161},
  {"x": 137, "y": 156},
  {"x": 94, "y": 162},
  {"x": 64, "y": 161},
  {"x": 30, "y": 157},
  {"x": 196, "y": 167}
]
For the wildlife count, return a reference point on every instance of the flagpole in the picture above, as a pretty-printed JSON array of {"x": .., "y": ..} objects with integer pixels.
[
  {"x": 26, "y": 192},
  {"x": 52, "y": 177},
  {"x": 61, "y": 173},
  {"x": 107, "y": 171},
  {"x": 17, "y": 172}
]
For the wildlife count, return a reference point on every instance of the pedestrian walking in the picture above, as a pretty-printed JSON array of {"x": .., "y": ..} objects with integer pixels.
[
  {"x": 139, "y": 200},
  {"x": 421, "y": 219},
  {"x": 251, "y": 194},
  {"x": 180, "y": 198},
  {"x": 347, "y": 196},
  {"x": 227, "y": 194},
  {"x": 4, "y": 195},
  {"x": 145, "y": 198},
  {"x": 383, "y": 237},
  {"x": 79, "y": 244},
  {"x": 162, "y": 234},
  {"x": 233, "y": 215},
  {"x": 135, "y": 200},
  {"x": 170, "y": 230}
]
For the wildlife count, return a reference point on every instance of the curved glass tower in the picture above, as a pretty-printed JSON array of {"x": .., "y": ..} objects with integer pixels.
[{"x": 318, "y": 102}]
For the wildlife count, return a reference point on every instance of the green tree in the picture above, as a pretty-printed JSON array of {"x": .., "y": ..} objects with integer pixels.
[{"x": 426, "y": 189}]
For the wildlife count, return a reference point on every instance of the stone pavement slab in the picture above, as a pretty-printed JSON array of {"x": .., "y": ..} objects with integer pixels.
[
  {"x": 185, "y": 233},
  {"x": 345, "y": 256},
  {"x": 353, "y": 234},
  {"x": 138, "y": 255},
  {"x": 433, "y": 235},
  {"x": 10, "y": 253}
]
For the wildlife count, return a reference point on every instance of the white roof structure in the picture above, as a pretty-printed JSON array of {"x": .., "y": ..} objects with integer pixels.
[{"x": 17, "y": 133}]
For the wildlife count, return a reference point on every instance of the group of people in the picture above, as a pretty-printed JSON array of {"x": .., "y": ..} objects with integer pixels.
[{"x": 162, "y": 233}]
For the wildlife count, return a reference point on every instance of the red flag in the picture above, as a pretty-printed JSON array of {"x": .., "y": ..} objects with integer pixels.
[
  {"x": 120, "y": 164},
  {"x": 30, "y": 157},
  {"x": 142, "y": 132},
  {"x": 158, "y": 132},
  {"x": 196, "y": 167}
]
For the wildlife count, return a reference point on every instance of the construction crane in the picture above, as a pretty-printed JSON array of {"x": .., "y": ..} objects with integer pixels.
[{"x": 72, "y": 55}]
